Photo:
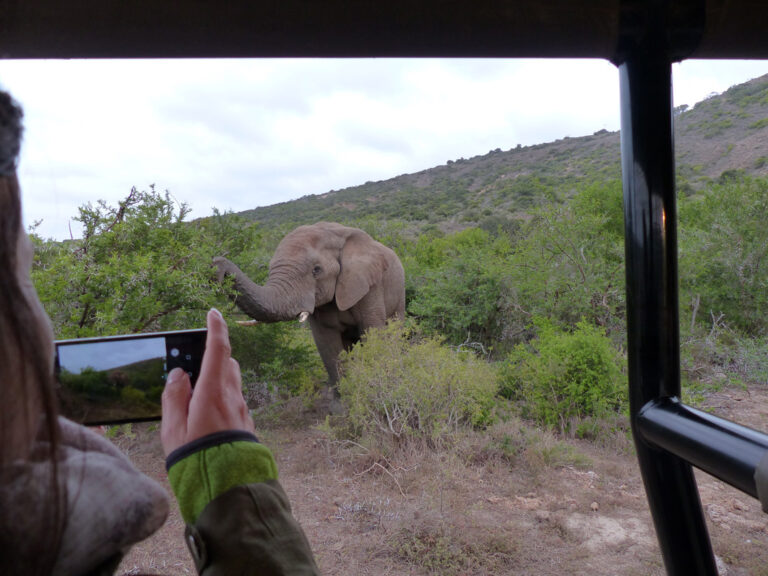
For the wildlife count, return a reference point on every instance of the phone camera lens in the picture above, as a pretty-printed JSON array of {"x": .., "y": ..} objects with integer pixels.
[{"x": 175, "y": 352}]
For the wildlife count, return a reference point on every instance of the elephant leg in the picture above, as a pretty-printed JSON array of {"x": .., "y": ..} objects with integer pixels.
[
  {"x": 350, "y": 337},
  {"x": 329, "y": 344}
]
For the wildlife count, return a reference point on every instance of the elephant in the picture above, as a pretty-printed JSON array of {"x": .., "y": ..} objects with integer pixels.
[{"x": 338, "y": 277}]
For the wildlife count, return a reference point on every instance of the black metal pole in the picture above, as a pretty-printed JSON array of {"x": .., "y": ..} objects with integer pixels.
[
  {"x": 727, "y": 450},
  {"x": 647, "y": 150}
]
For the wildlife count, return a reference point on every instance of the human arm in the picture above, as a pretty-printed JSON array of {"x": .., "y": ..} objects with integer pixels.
[{"x": 238, "y": 517}]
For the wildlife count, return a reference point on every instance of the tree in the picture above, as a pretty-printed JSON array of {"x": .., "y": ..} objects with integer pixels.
[
  {"x": 139, "y": 267},
  {"x": 569, "y": 263},
  {"x": 455, "y": 284},
  {"x": 723, "y": 255}
]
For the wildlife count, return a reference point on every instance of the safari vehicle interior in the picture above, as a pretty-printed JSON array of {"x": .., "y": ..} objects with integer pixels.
[{"x": 641, "y": 37}]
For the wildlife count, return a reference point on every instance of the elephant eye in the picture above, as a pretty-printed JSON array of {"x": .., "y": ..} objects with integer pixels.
[{"x": 316, "y": 271}]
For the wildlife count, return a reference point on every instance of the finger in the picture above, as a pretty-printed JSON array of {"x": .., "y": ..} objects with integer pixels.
[
  {"x": 234, "y": 378},
  {"x": 217, "y": 351},
  {"x": 175, "y": 410},
  {"x": 230, "y": 395},
  {"x": 244, "y": 413}
]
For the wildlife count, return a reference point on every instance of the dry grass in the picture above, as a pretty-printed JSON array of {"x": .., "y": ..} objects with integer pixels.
[{"x": 510, "y": 500}]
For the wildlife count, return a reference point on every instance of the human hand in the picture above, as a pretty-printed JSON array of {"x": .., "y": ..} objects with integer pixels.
[{"x": 217, "y": 403}]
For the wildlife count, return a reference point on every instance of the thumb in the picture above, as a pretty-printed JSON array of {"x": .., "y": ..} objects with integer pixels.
[{"x": 175, "y": 407}]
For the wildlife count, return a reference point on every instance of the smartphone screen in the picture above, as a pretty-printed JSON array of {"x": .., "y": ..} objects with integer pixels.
[{"x": 120, "y": 379}]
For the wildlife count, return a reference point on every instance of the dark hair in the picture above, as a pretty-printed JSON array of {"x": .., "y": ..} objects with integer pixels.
[
  {"x": 10, "y": 134},
  {"x": 26, "y": 379}
]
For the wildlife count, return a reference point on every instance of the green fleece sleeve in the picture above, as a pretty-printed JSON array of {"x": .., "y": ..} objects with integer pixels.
[
  {"x": 201, "y": 472},
  {"x": 250, "y": 531}
]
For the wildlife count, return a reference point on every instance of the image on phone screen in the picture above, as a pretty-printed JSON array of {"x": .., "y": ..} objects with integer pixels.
[{"x": 121, "y": 379}]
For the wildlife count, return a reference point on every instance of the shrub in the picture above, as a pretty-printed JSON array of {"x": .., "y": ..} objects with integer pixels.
[
  {"x": 720, "y": 356},
  {"x": 454, "y": 551},
  {"x": 139, "y": 267},
  {"x": 130, "y": 395},
  {"x": 723, "y": 250},
  {"x": 455, "y": 282},
  {"x": 569, "y": 264},
  {"x": 397, "y": 386},
  {"x": 521, "y": 444},
  {"x": 563, "y": 377},
  {"x": 281, "y": 356}
]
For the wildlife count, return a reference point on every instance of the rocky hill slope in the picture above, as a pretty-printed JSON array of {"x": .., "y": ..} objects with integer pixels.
[{"x": 723, "y": 133}]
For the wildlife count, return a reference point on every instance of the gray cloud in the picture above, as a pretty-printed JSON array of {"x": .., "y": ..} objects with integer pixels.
[{"x": 240, "y": 134}]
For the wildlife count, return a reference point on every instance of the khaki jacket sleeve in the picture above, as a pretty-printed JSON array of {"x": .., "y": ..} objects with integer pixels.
[{"x": 249, "y": 530}]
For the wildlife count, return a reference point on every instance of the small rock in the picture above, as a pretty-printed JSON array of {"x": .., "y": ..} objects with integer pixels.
[
  {"x": 716, "y": 513},
  {"x": 722, "y": 567},
  {"x": 528, "y": 503},
  {"x": 542, "y": 515},
  {"x": 739, "y": 505},
  {"x": 595, "y": 506}
]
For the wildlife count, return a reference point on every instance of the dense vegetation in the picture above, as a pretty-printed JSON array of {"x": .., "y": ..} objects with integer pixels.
[
  {"x": 544, "y": 300},
  {"x": 723, "y": 133},
  {"x": 141, "y": 267},
  {"x": 120, "y": 393},
  {"x": 515, "y": 281}
]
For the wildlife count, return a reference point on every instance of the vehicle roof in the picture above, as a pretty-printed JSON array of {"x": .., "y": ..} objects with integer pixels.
[{"x": 367, "y": 28}]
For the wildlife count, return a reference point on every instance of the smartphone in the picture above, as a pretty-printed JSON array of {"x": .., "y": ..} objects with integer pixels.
[{"x": 120, "y": 379}]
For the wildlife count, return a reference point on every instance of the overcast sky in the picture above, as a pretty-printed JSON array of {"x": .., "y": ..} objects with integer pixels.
[
  {"x": 111, "y": 354},
  {"x": 237, "y": 134}
]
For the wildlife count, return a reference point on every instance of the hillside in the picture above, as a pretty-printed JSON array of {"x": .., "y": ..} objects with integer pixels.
[{"x": 723, "y": 133}]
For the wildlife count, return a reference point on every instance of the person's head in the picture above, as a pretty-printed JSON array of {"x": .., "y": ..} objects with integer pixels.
[
  {"x": 26, "y": 339},
  {"x": 28, "y": 408}
]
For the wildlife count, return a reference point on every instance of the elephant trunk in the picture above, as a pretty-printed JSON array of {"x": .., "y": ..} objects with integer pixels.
[{"x": 268, "y": 303}]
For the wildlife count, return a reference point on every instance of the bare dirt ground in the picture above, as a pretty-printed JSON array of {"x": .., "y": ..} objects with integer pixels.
[{"x": 512, "y": 500}]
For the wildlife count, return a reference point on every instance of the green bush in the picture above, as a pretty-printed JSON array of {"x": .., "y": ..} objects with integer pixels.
[
  {"x": 130, "y": 395},
  {"x": 139, "y": 267},
  {"x": 398, "y": 386},
  {"x": 564, "y": 377},
  {"x": 723, "y": 249},
  {"x": 719, "y": 357},
  {"x": 281, "y": 355},
  {"x": 569, "y": 263},
  {"x": 454, "y": 285}
]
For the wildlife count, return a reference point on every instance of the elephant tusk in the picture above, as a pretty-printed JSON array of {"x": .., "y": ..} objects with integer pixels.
[
  {"x": 248, "y": 322},
  {"x": 303, "y": 317}
]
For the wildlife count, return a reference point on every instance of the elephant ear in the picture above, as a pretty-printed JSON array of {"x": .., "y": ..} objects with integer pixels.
[{"x": 362, "y": 266}]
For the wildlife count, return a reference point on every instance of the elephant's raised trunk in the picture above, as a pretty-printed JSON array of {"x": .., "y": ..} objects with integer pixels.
[{"x": 263, "y": 303}]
